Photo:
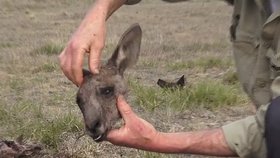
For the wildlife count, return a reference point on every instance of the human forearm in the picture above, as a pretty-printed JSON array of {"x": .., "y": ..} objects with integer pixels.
[
  {"x": 104, "y": 8},
  {"x": 209, "y": 142}
]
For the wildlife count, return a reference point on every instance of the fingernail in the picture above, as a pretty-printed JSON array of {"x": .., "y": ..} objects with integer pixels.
[{"x": 95, "y": 71}]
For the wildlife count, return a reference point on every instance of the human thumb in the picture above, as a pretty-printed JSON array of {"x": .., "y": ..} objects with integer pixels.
[
  {"x": 124, "y": 109},
  {"x": 114, "y": 136}
]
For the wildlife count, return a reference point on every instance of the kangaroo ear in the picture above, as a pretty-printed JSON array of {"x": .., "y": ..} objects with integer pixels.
[
  {"x": 162, "y": 83},
  {"x": 127, "y": 52},
  {"x": 181, "y": 81}
]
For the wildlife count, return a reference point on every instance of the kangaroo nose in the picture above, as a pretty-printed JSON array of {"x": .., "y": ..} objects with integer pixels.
[
  {"x": 96, "y": 130},
  {"x": 94, "y": 126}
]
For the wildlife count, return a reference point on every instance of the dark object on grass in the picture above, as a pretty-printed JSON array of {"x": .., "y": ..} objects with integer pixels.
[
  {"x": 18, "y": 149},
  {"x": 172, "y": 85}
]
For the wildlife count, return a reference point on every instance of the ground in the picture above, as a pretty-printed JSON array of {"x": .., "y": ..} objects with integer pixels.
[{"x": 190, "y": 38}]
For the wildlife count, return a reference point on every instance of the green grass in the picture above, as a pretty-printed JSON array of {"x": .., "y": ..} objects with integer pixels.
[
  {"x": 230, "y": 77},
  {"x": 4, "y": 115},
  {"x": 204, "y": 47},
  {"x": 209, "y": 94},
  {"x": 213, "y": 94},
  {"x": 48, "y": 49},
  {"x": 47, "y": 67},
  {"x": 50, "y": 132},
  {"x": 147, "y": 97},
  {"x": 17, "y": 84},
  {"x": 148, "y": 63},
  {"x": 6, "y": 45},
  {"x": 37, "y": 126},
  {"x": 168, "y": 48},
  {"x": 202, "y": 63}
]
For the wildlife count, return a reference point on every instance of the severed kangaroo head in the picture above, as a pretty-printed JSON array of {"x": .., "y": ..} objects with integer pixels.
[{"x": 96, "y": 97}]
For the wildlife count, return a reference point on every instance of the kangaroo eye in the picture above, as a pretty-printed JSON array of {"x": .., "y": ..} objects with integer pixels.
[{"x": 107, "y": 91}]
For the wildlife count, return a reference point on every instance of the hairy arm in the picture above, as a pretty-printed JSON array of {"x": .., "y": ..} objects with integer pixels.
[
  {"x": 138, "y": 133},
  {"x": 104, "y": 7},
  {"x": 208, "y": 142}
]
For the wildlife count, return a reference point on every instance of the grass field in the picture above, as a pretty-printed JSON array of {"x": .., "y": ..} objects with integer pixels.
[{"x": 191, "y": 39}]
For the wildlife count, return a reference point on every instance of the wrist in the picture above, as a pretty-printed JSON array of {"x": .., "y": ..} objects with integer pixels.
[
  {"x": 98, "y": 11},
  {"x": 109, "y": 6},
  {"x": 152, "y": 142},
  {"x": 160, "y": 143},
  {"x": 170, "y": 143},
  {"x": 101, "y": 10}
]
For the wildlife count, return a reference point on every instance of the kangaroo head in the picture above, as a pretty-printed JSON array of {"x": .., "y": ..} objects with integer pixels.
[{"x": 96, "y": 97}]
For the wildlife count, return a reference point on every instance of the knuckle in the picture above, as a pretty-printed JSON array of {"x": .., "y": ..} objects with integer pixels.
[
  {"x": 74, "y": 46},
  {"x": 127, "y": 111},
  {"x": 66, "y": 70},
  {"x": 94, "y": 60},
  {"x": 99, "y": 45},
  {"x": 75, "y": 68}
]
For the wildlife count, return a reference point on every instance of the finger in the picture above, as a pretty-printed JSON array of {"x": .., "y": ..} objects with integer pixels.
[
  {"x": 124, "y": 109},
  {"x": 114, "y": 136},
  {"x": 94, "y": 60},
  {"x": 77, "y": 65},
  {"x": 65, "y": 65},
  {"x": 66, "y": 69}
]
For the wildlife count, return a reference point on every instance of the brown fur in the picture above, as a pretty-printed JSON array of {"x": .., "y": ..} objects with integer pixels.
[{"x": 97, "y": 94}]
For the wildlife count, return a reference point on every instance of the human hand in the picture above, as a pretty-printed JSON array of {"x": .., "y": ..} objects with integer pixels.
[
  {"x": 136, "y": 133},
  {"x": 88, "y": 38}
]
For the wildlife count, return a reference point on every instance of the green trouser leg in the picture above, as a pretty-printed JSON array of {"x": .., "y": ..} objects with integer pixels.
[
  {"x": 260, "y": 82},
  {"x": 253, "y": 72},
  {"x": 245, "y": 59},
  {"x": 271, "y": 36},
  {"x": 267, "y": 66},
  {"x": 252, "y": 65}
]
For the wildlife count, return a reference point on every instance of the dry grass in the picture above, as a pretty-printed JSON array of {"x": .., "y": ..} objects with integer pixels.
[{"x": 38, "y": 101}]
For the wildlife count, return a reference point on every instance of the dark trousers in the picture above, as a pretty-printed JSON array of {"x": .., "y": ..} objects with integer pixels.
[{"x": 272, "y": 129}]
